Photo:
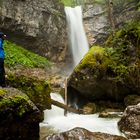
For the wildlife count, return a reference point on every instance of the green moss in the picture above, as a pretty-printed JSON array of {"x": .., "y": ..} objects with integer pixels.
[
  {"x": 2, "y": 92},
  {"x": 89, "y": 60},
  {"x": 128, "y": 35},
  {"x": 118, "y": 59},
  {"x": 37, "y": 90},
  {"x": 16, "y": 55},
  {"x": 72, "y": 3},
  {"x": 96, "y": 60},
  {"x": 14, "y": 102}
]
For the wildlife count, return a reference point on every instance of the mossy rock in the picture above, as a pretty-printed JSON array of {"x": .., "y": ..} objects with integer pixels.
[
  {"x": 37, "y": 90},
  {"x": 131, "y": 100},
  {"x": 14, "y": 101},
  {"x": 19, "y": 117},
  {"x": 112, "y": 71}
]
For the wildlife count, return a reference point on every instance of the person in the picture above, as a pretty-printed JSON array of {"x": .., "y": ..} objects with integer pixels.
[{"x": 2, "y": 56}]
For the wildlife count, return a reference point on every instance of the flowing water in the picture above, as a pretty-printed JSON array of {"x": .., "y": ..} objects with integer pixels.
[
  {"x": 77, "y": 37},
  {"x": 55, "y": 121}
]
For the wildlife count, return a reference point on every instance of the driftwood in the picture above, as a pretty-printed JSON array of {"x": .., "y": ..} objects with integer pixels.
[{"x": 70, "y": 109}]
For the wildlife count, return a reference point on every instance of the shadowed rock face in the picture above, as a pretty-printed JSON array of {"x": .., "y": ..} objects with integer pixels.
[
  {"x": 19, "y": 117},
  {"x": 83, "y": 134},
  {"x": 36, "y": 25},
  {"x": 130, "y": 122}
]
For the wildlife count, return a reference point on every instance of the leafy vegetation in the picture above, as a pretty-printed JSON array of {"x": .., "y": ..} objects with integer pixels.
[
  {"x": 118, "y": 58},
  {"x": 16, "y": 55},
  {"x": 72, "y": 2}
]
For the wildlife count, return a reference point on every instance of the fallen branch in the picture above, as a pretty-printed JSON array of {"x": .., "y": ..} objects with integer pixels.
[{"x": 70, "y": 109}]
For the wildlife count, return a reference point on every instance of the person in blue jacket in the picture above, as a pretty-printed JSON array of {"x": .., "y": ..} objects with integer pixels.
[{"x": 2, "y": 56}]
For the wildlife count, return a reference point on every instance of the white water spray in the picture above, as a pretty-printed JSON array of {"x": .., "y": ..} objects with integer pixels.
[
  {"x": 55, "y": 121},
  {"x": 77, "y": 36},
  {"x": 55, "y": 111}
]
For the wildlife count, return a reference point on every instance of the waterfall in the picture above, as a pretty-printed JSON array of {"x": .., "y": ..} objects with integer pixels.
[{"x": 77, "y": 37}]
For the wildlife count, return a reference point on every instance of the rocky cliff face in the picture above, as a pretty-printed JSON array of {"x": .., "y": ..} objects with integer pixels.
[
  {"x": 100, "y": 17},
  {"x": 40, "y": 26},
  {"x": 37, "y": 25}
]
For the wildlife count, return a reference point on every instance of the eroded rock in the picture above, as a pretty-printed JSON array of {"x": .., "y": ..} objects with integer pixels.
[
  {"x": 130, "y": 122},
  {"x": 83, "y": 134}
]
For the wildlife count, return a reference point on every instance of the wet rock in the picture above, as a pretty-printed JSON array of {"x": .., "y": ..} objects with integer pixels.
[
  {"x": 130, "y": 122},
  {"x": 131, "y": 100},
  {"x": 107, "y": 114},
  {"x": 19, "y": 117},
  {"x": 83, "y": 134},
  {"x": 90, "y": 108},
  {"x": 38, "y": 90}
]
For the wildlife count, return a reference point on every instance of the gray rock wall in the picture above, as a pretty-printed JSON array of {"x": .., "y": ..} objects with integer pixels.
[
  {"x": 38, "y": 25},
  {"x": 96, "y": 17}
]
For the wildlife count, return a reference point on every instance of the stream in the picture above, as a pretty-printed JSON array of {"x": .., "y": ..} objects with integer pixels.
[{"x": 55, "y": 121}]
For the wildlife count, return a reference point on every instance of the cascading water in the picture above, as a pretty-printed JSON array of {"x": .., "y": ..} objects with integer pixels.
[
  {"x": 55, "y": 121},
  {"x": 77, "y": 37}
]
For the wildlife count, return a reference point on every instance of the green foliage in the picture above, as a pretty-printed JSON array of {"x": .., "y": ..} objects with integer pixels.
[
  {"x": 67, "y": 2},
  {"x": 100, "y": 1},
  {"x": 125, "y": 38},
  {"x": 16, "y": 55},
  {"x": 138, "y": 6},
  {"x": 72, "y": 2},
  {"x": 118, "y": 59},
  {"x": 125, "y": 45}
]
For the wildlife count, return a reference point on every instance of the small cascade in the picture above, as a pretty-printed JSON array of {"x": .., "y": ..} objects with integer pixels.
[
  {"x": 77, "y": 37},
  {"x": 55, "y": 121},
  {"x": 55, "y": 111}
]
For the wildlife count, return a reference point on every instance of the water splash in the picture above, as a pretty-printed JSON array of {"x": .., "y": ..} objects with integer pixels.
[
  {"x": 55, "y": 111},
  {"x": 77, "y": 37},
  {"x": 55, "y": 121}
]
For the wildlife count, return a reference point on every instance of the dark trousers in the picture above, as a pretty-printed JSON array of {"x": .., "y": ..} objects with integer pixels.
[{"x": 2, "y": 73}]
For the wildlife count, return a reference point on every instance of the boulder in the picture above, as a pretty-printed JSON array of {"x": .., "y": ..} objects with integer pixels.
[
  {"x": 19, "y": 117},
  {"x": 130, "y": 122},
  {"x": 38, "y": 90},
  {"x": 83, "y": 134},
  {"x": 109, "y": 72}
]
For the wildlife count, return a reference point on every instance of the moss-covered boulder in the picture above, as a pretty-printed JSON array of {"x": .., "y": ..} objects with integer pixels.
[
  {"x": 112, "y": 71},
  {"x": 19, "y": 117},
  {"x": 38, "y": 90}
]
